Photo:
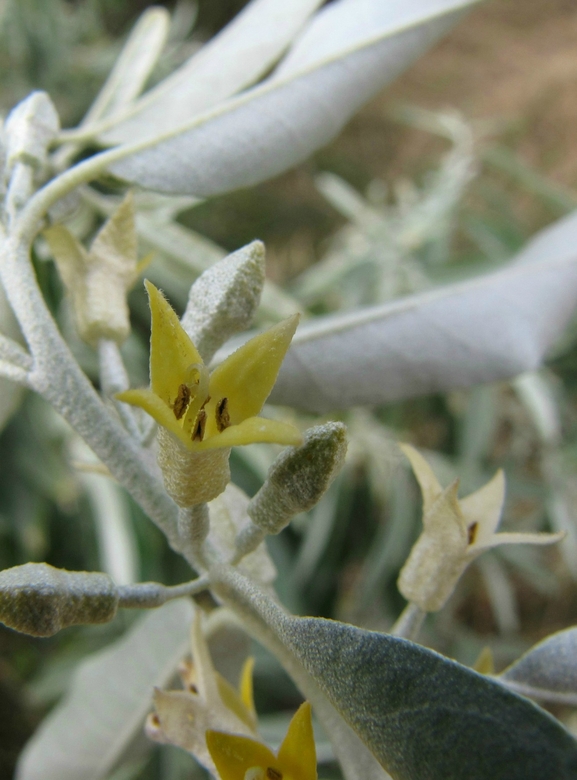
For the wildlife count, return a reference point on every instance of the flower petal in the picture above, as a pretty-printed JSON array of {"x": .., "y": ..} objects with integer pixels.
[
  {"x": 157, "y": 409},
  {"x": 171, "y": 350},
  {"x": 439, "y": 555},
  {"x": 515, "y": 538},
  {"x": 247, "y": 376},
  {"x": 184, "y": 719},
  {"x": 206, "y": 682},
  {"x": 231, "y": 699},
  {"x": 251, "y": 431},
  {"x": 297, "y": 755},
  {"x": 484, "y": 507},
  {"x": 246, "y": 686},
  {"x": 428, "y": 482},
  {"x": 233, "y": 755}
]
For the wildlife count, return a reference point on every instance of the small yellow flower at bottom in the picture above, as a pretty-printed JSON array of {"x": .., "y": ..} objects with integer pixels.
[
  {"x": 241, "y": 758},
  {"x": 203, "y": 415}
]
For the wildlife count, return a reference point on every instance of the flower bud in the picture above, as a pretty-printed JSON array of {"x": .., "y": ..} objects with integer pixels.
[
  {"x": 223, "y": 299},
  {"x": 98, "y": 281},
  {"x": 29, "y": 130},
  {"x": 299, "y": 477},
  {"x": 40, "y": 600}
]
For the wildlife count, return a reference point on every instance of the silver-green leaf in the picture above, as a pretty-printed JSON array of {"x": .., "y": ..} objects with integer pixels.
[
  {"x": 426, "y": 717},
  {"x": 111, "y": 694},
  {"x": 233, "y": 60},
  {"x": 491, "y": 327},
  {"x": 134, "y": 65},
  {"x": 548, "y": 671},
  {"x": 349, "y": 51}
]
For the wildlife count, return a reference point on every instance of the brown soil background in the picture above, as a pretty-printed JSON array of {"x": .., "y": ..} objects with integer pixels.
[
  {"x": 510, "y": 60},
  {"x": 512, "y": 63}
]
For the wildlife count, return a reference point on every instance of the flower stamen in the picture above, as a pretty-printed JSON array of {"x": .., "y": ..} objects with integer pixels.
[
  {"x": 199, "y": 426},
  {"x": 273, "y": 774},
  {"x": 472, "y": 533},
  {"x": 181, "y": 401},
  {"x": 222, "y": 415}
]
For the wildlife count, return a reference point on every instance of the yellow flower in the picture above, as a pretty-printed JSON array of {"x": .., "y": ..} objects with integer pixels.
[
  {"x": 208, "y": 701},
  {"x": 242, "y": 758},
  {"x": 455, "y": 532},
  {"x": 203, "y": 415}
]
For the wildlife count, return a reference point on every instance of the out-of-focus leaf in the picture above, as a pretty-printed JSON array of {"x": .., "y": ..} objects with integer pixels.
[
  {"x": 547, "y": 671},
  {"x": 116, "y": 540},
  {"x": 233, "y": 60},
  {"x": 111, "y": 694},
  {"x": 350, "y": 50},
  {"x": 501, "y": 594},
  {"x": 137, "y": 59},
  {"x": 425, "y": 717},
  {"x": 10, "y": 392},
  {"x": 492, "y": 327}
]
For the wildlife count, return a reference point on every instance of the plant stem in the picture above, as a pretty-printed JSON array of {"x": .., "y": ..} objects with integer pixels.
[
  {"x": 12, "y": 352},
  {"x": 114, "y": 379},
  {"x": 409, "y": 622},
  {"x": 193, "y": 528},
  {"x": 14, "y": 373},
  {"x": 59, "y": 379},
  {"x": 148, "y": 595}
]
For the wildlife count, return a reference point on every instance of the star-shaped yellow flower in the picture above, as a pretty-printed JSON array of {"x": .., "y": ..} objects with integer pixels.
[
  {"x": 455, "y": 532},
  {"x": 203, "y": 412},
  {"x": 242, "y": 758}
]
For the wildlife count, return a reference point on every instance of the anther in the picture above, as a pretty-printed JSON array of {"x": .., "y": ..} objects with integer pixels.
[
  {"x": 222, "y": 415},
  {"x": 181, "y": 401},
  {"x": 199, "y": 426}
]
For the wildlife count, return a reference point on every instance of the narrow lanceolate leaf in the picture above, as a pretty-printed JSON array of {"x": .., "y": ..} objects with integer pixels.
[
  {"x": 137, "y": 59},
  {"x": 231, "y": 61},
  {"x": 492, "y": 327},
  {"x": 110, "y": 697},
  {"x": 349, "y": 51},
  {"x": 547, "y": 671}
]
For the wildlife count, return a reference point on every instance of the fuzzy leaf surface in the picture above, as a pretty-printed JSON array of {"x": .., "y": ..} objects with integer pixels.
[
  {"x": 423, "y": 716},
  {"x": 86, "y": 734},
  {"x": 547, "y": 671},
  {"x": 492, "y": 327},
  {"x": 349, "y": 51},
  {"x": 231, "y": 61}
]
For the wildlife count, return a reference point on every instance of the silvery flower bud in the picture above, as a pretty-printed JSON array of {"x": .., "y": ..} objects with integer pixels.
[
  {"x": 40, "y": 600},
  {"x": 29, "y": 129},
  {"x": 299, "y": 477}
]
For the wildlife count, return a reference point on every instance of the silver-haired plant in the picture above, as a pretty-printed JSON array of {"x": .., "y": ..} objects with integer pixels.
[{"x": 278, "y": 82}]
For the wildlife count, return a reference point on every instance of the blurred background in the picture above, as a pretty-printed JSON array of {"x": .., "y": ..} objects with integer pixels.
[{"x": 447, "y": 172}]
